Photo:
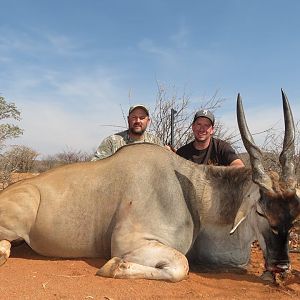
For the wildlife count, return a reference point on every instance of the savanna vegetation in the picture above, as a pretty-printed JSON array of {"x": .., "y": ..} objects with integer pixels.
[{"x": 20, "y": 158}]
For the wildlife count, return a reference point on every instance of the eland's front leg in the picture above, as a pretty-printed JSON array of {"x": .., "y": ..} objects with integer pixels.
[{"x": 152, "y": 260}]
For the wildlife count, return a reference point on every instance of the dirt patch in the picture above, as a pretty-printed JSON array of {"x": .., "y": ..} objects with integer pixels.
[{"x": 27, "y": 275}]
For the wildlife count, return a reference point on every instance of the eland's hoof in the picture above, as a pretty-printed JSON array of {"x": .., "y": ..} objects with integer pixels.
[{"x": 109, "y": 269}]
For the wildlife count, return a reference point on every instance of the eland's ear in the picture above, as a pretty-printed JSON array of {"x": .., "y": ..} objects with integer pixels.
[{"x": 248, "y": 202}]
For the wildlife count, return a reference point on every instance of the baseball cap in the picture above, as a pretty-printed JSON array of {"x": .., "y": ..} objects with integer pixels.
[
  {"x": 132, "y": 108},
  {"x": 205, "y": 114}
]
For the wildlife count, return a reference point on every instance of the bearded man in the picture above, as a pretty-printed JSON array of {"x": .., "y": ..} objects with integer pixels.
[{"x": 138, "y": 121}]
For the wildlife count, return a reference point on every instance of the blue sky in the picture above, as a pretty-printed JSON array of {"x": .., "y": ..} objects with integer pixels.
[{"x": 70, "y": 65}]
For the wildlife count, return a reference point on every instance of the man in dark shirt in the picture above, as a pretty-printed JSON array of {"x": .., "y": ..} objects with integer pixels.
[{"x": 206, "y": 149}]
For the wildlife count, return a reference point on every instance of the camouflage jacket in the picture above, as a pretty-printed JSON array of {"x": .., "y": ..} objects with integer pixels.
[{"x": 112, "y": 143}]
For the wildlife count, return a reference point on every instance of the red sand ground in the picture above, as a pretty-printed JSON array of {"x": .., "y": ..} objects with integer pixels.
[{"x": 26, "y": 275}]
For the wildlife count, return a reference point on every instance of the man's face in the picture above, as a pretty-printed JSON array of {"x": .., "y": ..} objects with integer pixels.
[
  {"x": 138, "y": 121},
  {"x": 202, "y": 129}
]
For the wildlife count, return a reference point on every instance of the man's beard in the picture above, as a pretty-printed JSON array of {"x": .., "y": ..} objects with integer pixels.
[{"x": 137, "y": 131}]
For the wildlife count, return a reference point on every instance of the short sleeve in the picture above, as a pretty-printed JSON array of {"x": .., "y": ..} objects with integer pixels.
[
  {"x": 104, "y": 150},
  {"x": 226, "y": 153}
]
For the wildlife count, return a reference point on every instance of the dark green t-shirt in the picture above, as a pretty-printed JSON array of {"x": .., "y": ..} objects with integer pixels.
[{"x": 218, "y": 153}]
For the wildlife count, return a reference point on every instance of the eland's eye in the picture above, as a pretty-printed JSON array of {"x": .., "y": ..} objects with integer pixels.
[{"x": 275, "y": 231}]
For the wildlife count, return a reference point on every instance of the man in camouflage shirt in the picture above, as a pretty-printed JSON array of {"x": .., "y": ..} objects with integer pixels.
[{"x": 138, "y": 121}]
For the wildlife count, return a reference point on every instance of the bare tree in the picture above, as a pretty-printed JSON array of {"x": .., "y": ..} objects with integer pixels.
[
  {"x": 70, "y": 156},
  {"x": 161, "y": 116},
  {"x": 46, "y": 164},
  {"x": 67, "y": 156},
  {"x": 21, "y": 158},
  {"x": 16, "y": 159},
  {"x": 272, "y": 147}
]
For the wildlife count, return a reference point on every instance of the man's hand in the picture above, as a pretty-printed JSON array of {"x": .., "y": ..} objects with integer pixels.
[{"x": 169, "y": 147}]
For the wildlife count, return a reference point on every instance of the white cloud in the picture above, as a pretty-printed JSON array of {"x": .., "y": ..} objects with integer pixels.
[
  {"x": 149, "y": 46},
  {"x": 180, "y": 38},
  {"x": 71, "y": 112},
  {"x": 261, "y": 118},
  {"x": 62, "y": 44},
  {"x": 32, "y": 42},
  {"x": 49, "y": 128}
]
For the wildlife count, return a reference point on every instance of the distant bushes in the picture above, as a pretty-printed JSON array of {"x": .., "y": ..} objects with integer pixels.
[
  {"x": 62, "y": 158},
  {"x": 22, "y": 159}
]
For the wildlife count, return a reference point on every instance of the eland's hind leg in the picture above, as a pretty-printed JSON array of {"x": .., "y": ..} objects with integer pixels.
[
  {"x": 18, "y": 210},
  {"x": 153, "y": 260}
]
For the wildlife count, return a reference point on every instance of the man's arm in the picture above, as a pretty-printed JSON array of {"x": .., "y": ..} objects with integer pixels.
[
  {"x": 104, "y": 150},
  {"x": 227, "y": 154}
]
